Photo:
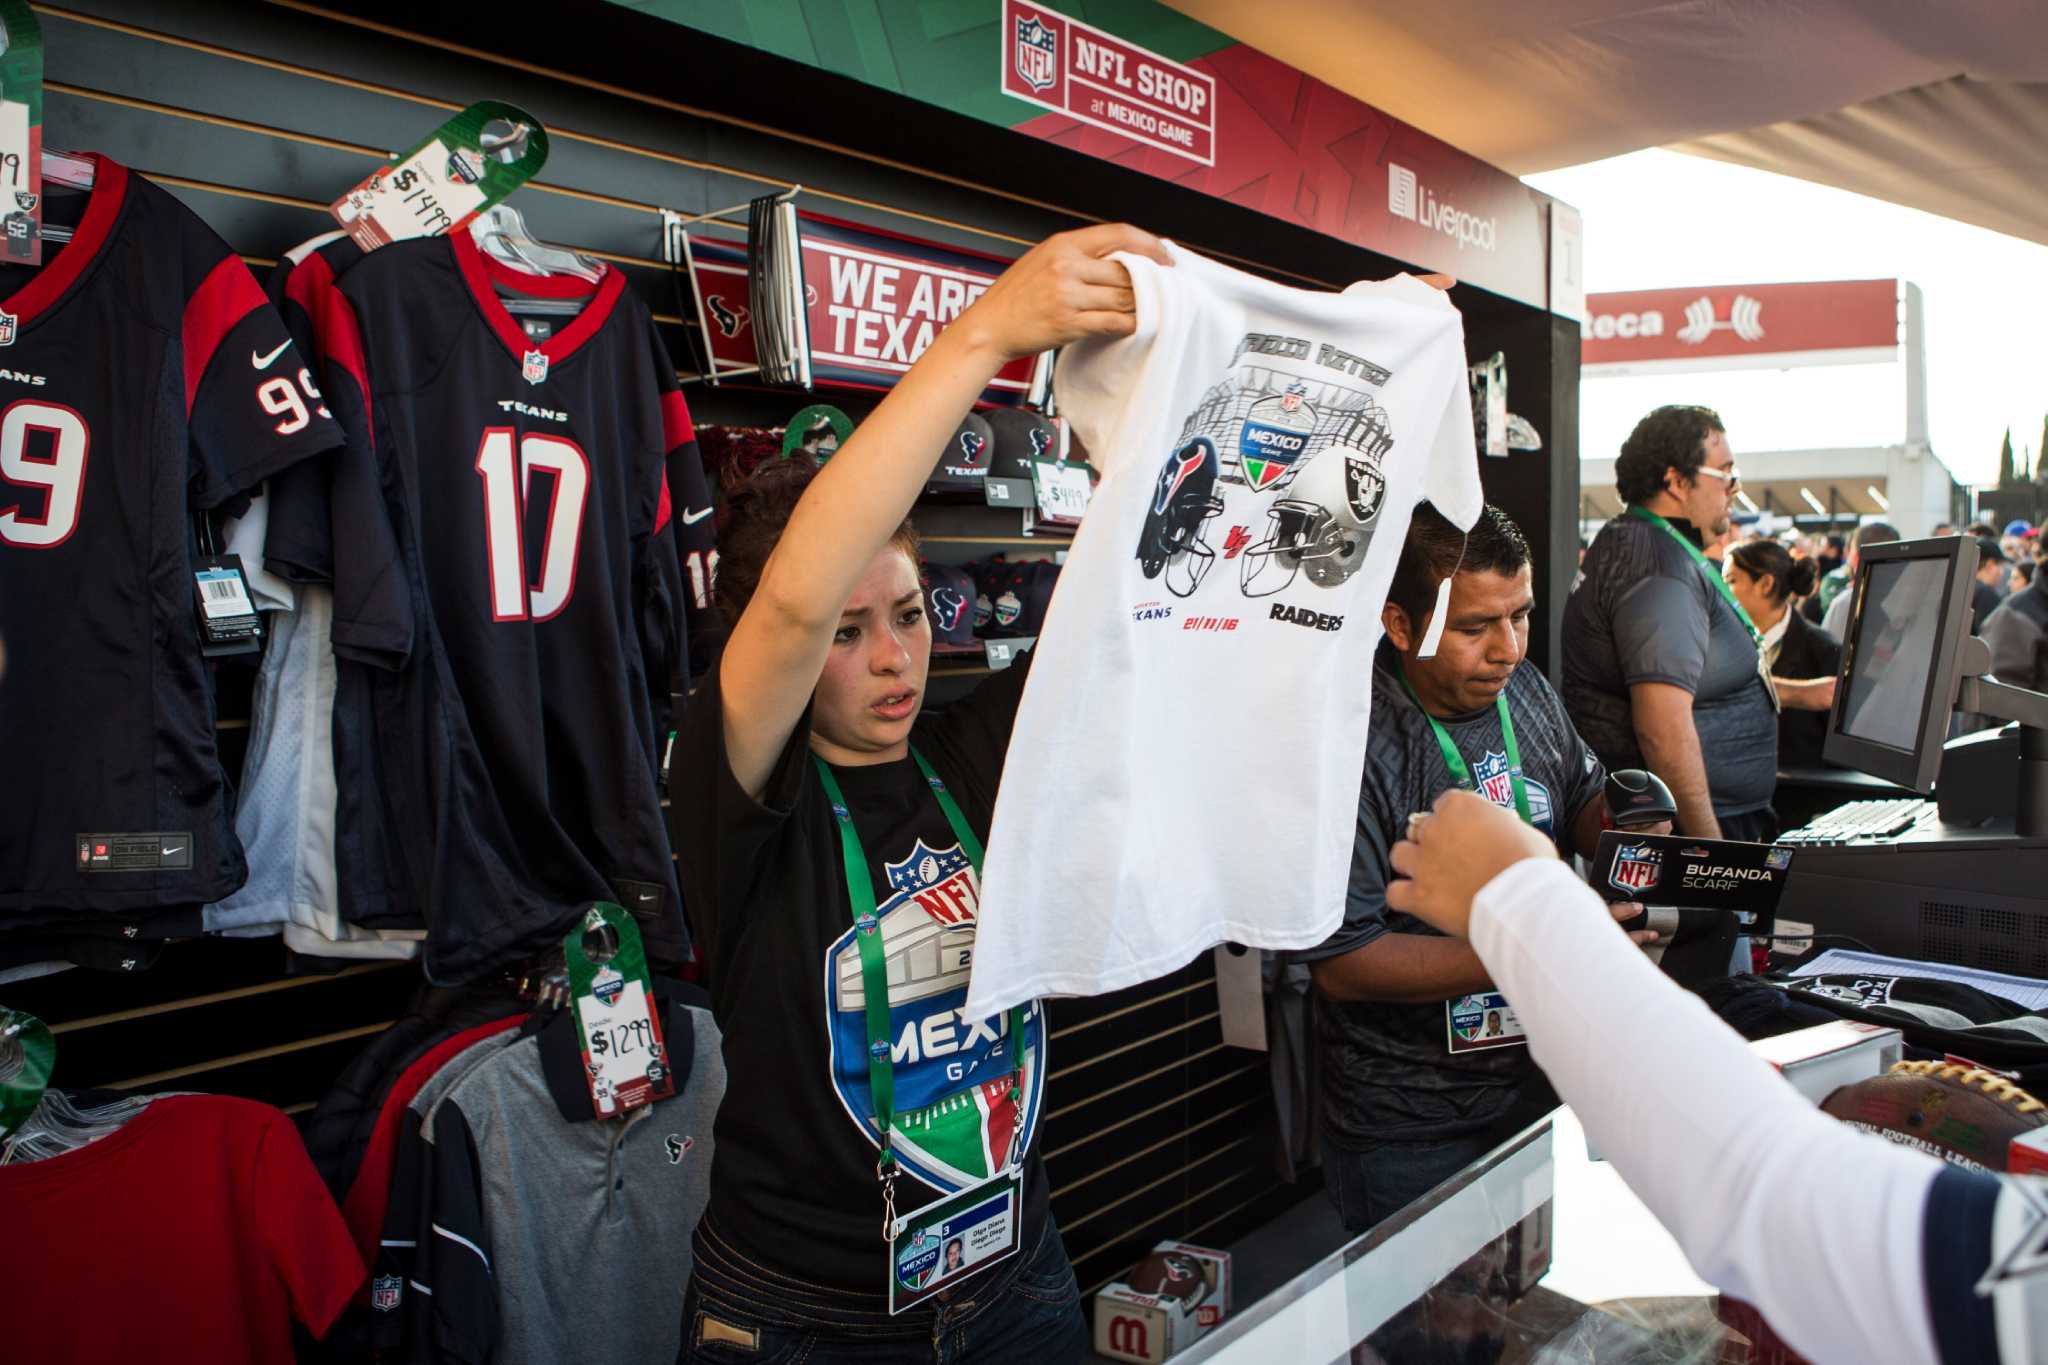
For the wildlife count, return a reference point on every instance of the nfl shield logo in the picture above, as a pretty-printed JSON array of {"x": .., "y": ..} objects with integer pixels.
[
  {"x": 384, "y": 1292},
  {"x": 1635, "y": 867},
  {"x": 7, "y": 321},
  {"x": 533, "y": 368},
  {"x": 1038, "y": 54}
]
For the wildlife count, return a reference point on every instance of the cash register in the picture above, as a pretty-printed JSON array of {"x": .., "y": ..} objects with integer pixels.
[{"x": 1961, "y": 878}]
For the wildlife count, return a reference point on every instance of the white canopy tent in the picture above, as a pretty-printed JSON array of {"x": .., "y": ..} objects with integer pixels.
[{"x": 1942, "y": 106}]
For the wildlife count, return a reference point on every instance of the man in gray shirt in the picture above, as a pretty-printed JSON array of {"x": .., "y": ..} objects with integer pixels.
[{"x": 1660, "y": 662}]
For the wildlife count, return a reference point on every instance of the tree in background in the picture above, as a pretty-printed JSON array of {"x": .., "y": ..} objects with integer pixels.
[{"x": 2005, "y": 472}]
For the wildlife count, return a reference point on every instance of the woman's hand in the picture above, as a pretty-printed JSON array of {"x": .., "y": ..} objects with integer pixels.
[
  {"x": 1449, "y": 854},
  {"x": 1062, "y": 290}
]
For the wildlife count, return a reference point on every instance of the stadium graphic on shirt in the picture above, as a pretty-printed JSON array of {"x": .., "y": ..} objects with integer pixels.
[
  {"x": 956, "y": 1121},
  {"x": 1292, "y": 442}
]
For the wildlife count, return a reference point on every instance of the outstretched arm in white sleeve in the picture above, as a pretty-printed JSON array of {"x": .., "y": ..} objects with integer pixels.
[{"x": 1773, "y": 1201}]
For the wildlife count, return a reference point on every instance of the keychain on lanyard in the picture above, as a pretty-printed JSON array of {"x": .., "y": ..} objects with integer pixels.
[
  {"x": 874, "y": 973},
  {"x": 1461, "y": 772}
]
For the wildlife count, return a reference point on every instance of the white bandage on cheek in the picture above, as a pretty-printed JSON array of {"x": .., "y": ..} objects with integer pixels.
[{"x": 1433, "y": 637}]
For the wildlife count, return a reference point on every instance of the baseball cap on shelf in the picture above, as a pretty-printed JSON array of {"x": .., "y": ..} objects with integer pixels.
[
  {"x": 1021, "y": 436},
  {"x": 1018, "y": 596},
  {"x": 949, "y": 600},
  {"x": 963, "y": 464}
]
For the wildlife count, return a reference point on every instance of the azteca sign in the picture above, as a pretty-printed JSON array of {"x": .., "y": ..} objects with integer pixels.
[
  {"x": 1843, "y": 322},
  {"x": 874, "y": 301}
]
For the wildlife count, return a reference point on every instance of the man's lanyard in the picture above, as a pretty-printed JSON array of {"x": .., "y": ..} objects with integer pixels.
[
  {"x": 1720, "y": 582},
  {"x": 1461, "y": 772},
  {"x": 1713, "y": 571},
  {"x": 874, "y": 968}
]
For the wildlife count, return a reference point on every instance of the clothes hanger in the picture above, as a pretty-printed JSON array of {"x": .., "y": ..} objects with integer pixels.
[
  {"x": 501, "y": 232},
  {"x": 39, "y": 1122},
  {"x": 26, "y": 1052},
  {"x": 64, "y": 171}
]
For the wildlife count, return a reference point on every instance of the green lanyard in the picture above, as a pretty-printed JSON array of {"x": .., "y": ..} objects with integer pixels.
[
  {"x": 1714, "y": 574},
  {"x": 874, "y": 968},
  {"x": 1461, "y": 772}
]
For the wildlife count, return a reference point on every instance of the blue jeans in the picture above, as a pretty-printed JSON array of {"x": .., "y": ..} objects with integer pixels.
[
  {"x": 1027, "y": 1313},
  {"x": 1370, "y": 1185}
]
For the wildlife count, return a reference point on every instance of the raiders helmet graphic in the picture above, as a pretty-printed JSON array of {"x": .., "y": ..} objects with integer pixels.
[
  {"x": 1183, "y": 504},
  {"x": 1323, "y": 523}
]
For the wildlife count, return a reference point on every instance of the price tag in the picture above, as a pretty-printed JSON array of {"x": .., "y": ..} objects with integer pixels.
[
  {"x": 468, "y": 164},
  {"x": 228, "y": 623},
  {"x": 625, "y": 1060},
  {"x": 21, "y": 136},
  {"x": 1062, "y": 490}
]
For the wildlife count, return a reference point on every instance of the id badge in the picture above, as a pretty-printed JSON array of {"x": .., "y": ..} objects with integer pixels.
[
  {"x": 1474, "y": 1023},
  {"x": 946, "y": 1241}
]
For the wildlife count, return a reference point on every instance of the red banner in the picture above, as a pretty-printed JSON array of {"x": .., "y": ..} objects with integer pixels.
[
  {"x": 1077, "y": 69},
  {"x": 875, "y": 302},
  {"x": 1835, "y": 322},
  {"x": 1238, "y": 125}
]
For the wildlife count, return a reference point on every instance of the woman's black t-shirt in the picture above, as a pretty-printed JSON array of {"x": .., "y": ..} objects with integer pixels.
[{"x": 793, "y": 1180}]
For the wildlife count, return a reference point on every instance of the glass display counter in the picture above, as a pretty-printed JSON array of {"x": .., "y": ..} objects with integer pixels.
[{"x": 1535, "y": 1253}]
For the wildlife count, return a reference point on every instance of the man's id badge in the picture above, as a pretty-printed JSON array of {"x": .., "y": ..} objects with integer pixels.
[
  {"x": 944, "y": 1242},
  {"x": 1473, "y": 1023}
]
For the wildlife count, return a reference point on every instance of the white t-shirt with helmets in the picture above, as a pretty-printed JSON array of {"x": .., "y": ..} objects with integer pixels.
[{"x": 1186, "y": 761}]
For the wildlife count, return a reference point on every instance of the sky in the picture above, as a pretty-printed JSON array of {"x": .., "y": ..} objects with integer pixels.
[{"x": 1656, "y": 219}]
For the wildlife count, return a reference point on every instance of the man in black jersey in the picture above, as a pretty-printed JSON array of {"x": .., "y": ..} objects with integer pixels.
[{"x": 1424, "y": 1066}]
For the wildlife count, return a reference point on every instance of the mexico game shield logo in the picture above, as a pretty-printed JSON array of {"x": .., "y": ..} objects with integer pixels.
[
  {"x": 1275, "y": 434},
  {"x": 1037, "y": 54},
  {"x": 1635, "y": 867}
]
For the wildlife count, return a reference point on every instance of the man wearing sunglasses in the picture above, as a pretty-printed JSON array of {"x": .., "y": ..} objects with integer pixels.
[{"x": 1661, "y": 663}]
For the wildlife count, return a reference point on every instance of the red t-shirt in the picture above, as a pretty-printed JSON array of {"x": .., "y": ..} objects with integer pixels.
[{"x": 197, "y": 1232}]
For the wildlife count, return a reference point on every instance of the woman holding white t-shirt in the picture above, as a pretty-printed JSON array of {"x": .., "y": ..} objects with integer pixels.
[{"x": 820, "y": 815}]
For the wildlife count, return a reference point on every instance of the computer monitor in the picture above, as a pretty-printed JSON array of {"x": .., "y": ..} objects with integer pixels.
[{"x": 1899, "y": 673}]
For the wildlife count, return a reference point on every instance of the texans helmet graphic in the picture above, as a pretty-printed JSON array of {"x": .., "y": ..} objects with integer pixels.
[{"x": 1183, "y": 504}]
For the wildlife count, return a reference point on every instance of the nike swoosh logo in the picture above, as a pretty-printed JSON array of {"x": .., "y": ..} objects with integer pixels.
[
  {"x": 172, "y": 849},
  {"x": 692, "y": 518},
  {"x": 262, "y": 362},
  {"x": 647, "y": 895}
]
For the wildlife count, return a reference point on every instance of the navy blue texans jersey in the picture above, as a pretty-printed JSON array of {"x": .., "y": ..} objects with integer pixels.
[
  {"x": 508, "y": 588},
  {"x": 143, "y": 377}
]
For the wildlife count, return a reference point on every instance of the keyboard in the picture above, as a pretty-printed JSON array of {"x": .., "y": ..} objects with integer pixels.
[{"x": 1861, "y": 821}]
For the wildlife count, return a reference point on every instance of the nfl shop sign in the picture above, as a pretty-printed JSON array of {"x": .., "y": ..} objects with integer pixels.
[
  {"x": 1092, "y": 75},
  {"x": 1836, "y": 322},
  {"x": 875, "y": 300}
]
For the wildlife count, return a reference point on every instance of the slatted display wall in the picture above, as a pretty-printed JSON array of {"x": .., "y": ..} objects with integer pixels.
[{"x": 256, "y": 116}]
